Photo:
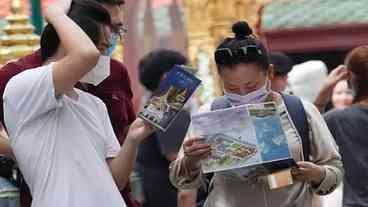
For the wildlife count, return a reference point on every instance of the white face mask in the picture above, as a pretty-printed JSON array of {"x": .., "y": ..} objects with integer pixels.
[
  {"x": 254, "y": 97},
  {"x": 99, "y": 73}
]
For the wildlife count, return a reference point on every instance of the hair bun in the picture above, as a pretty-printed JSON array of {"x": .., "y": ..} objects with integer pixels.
[{"x": 241, "y": 30}]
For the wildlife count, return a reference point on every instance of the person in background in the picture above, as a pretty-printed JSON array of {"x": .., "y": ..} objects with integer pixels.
[
  {"x": 322, "y": 89},
  {"x": 243, "y": 66},
  {"x": 282, "y": 65},
  {"x": 61, "y": 136},
  {"x": 306, "y": 79},
  {"x": 115, "y": 91},
  {"x": 156, "y": 153},
  {"x": 349, "y": 128},
  {"x": 336, "y": 90},
  {"x": 342, "y": 96}
]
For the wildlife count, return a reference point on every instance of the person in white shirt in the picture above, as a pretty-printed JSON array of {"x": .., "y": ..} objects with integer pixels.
[{"x": 62, "y": 137}]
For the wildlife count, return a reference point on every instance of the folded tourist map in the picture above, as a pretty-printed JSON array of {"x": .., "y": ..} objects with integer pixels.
[{"x": 247, "y": 138}]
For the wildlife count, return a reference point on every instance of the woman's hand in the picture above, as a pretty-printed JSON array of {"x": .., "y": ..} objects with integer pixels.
[
  {"x": 194, "y": 151},
  {"x": 338, "y": 74},
  {"x": 309, "y": 172},
  {"x": 139, "y": 130}
]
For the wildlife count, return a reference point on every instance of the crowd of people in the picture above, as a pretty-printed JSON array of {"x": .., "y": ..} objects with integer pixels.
[{"x": 73, "y": 139}]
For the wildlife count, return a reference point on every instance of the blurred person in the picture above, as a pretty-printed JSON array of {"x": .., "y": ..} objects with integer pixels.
[
  {"x": 282, "y": 65},
  {"x": 342, "y": 96},
  {"x": 306, "y": 79},
  {"x": 348, "y": 127},
  {"x": 156, "y": 153},
  {"x": 336, "y": 90},
  {"x": 310, "y": 81},
  {"x": 115, "y": 91},
  {"x": 245, "y": 78},
  {"x": 61, "y": 136}
]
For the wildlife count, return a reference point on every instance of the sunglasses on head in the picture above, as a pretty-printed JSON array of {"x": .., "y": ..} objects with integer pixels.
[{"x": 226, "y": 56}]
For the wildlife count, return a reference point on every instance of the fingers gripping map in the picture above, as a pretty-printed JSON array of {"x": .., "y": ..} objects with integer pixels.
[{"x": 248, "y": 136}]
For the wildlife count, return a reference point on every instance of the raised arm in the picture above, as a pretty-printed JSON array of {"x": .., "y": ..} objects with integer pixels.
[
  {"x": 81, "y": 55},
  {"x": 122, "y": 165},
  {"x": 324, "y": 95}
]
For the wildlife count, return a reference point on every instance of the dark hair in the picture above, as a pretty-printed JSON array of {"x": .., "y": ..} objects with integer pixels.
[
  {"x": 87, "y": 14},
  {"x": 243, "y": 38},
  {"x": 111, "y": 2},
  {"x": 155, "y": 64},
  {"x": 281, "y": 62},
  {"x": 357, "y": 62}
]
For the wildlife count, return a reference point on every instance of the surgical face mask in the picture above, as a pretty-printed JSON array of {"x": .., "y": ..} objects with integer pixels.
[
  {"x": 99, "y": 73},
  {"x": 254, "y": 97},
  {"x": 114, "y": 42}
]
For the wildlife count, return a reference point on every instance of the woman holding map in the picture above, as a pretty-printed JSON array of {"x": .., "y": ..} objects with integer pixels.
[{"x": 245, "y": 71}]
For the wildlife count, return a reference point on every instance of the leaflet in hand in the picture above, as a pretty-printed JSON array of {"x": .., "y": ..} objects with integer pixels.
[
  {"x": 167, "y": 101},
  {"x": 247, "y": 138}
]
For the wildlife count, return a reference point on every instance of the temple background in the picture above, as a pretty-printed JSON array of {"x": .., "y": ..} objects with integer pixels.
[
  {"x": 304, "y": 29},
  {"x": 151, "y": 25},
  {"x": 193, "y": 27}
]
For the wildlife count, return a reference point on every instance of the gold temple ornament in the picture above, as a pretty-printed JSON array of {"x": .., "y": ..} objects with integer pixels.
[{"x": 17, "y": 38}]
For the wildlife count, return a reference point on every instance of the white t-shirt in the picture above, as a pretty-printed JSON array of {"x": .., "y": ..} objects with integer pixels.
[{"x": 61, "y": 144}]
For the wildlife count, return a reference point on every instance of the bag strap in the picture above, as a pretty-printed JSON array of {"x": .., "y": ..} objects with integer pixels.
[{"x": 297, "y": 113}]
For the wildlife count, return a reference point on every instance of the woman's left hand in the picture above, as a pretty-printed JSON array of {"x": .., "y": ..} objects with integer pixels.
[{"x": 309, "y": 172}]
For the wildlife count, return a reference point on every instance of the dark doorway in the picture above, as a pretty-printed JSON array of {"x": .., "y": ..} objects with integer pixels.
[{"x": 331, "y": 58}]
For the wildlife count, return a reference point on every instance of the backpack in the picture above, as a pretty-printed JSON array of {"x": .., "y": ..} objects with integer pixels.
[{"x": 297, "y": 113}]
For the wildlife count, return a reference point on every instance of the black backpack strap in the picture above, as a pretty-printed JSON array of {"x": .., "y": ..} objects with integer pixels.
[{"x": 297, "y": 113}]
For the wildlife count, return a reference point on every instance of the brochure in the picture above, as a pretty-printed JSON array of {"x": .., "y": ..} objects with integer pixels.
[{"x": 167, "y": 101}]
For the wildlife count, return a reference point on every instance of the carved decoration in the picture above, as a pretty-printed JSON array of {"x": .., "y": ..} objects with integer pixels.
[{"x": 208, "y": 22}]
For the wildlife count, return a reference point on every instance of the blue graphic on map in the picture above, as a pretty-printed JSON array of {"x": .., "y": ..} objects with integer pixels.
[{"x": 271, "y": 138}]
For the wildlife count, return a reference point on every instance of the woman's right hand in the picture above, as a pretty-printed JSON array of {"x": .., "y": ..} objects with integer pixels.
[{"x": 195, "y": 150}]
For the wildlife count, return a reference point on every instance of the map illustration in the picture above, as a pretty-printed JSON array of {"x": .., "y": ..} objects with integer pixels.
[
  {"x": 244, "y": 139},
  {"x": 228, "y": 151}
]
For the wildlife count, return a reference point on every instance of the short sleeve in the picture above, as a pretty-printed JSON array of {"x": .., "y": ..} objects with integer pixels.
[
  {"x": 112, "y": 146},
  {"x": 31, "y": 93},
  {"x": 171, "y": 140}
]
